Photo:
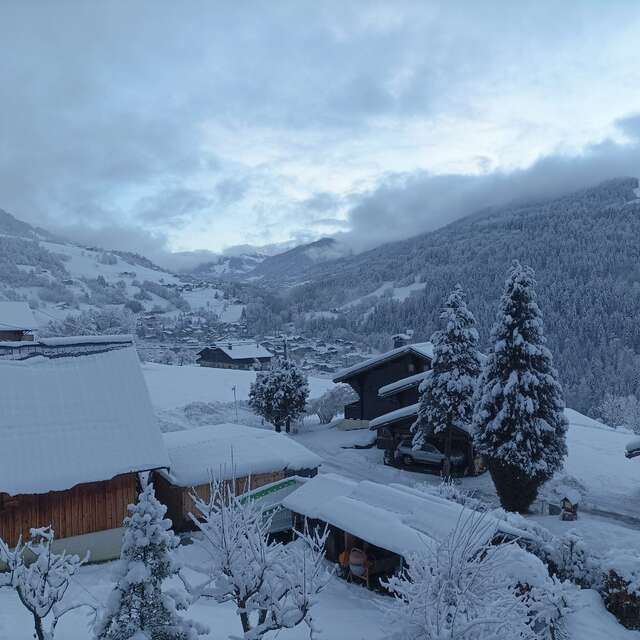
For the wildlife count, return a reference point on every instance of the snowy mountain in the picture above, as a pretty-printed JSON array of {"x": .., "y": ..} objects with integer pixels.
[{"x": 583, "y": 246}]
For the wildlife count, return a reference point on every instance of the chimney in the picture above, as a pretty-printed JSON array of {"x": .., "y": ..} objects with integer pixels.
[
  {"x": 400, "y": 340},
  {"x": 230, "y": 346}
]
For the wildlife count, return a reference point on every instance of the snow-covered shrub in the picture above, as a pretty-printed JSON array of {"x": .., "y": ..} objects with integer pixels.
[
  {"x": 621, "y": 587},
  {"x": 107, "y": 321},
  {"x": 331, "y": 402},
  {"x": 138, "y": 606},
  {"x": 572, "y": 560},
  {"x": 273, "y": 586},
  {"x": 466, "y": 588},
  {"x": 449, "y": 489},
  {"x": 447, "y": 392},
  {"x": 280, "y": 394},
  {"x": 41, "y": 579},
  {"x": 519, "y": 415}
]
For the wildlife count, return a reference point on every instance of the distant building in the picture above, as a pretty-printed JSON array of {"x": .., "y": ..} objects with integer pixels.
[
  {"x": 17, "y": 322},
  {"x": 244, "y": 354},
  {"x": 76, "y": 427}
]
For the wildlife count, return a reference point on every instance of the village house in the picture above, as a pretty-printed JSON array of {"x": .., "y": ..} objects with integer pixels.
[
  {"x": 241, "y": 354},
  {"x": 374, "y": 528},
  {"x": 76, "y": 428},
  {"x": 367, "y": 377},
  {"x": 388, "y": 393},
  {"x": 17, "y": 322},
  {"x": 251, "y": 458}
]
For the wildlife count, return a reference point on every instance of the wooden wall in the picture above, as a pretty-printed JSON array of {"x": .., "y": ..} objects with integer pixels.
[
  {"x": 85, "y": 508},
  {"x": 179, "y": 502}
]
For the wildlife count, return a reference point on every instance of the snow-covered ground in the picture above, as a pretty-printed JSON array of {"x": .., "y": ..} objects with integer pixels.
[{"x": 172, "y": 386}]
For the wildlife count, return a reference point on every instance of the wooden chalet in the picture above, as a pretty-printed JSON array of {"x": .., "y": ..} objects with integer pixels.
[
  {"x": 252, "y": 458},
  {"x": 75, "y": 430},
  {"x": 388, "y": 390},
  {"x": 366, "y": 378},
  {"x": 244, "y": 354},
  {"x": 17, "y": 322}
]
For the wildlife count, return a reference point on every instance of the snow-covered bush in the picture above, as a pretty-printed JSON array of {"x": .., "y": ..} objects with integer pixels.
[
  {"x": 447, "y": 392},
  {"x": 331, "y": 402},
  {"x": 280, "y": 394},
  {"x": 519, "y": 415},
  {"x": 273, "y": 586},
  {"x": 41, "y": 579},
  {"x": 621, "y": 586},
  {"x": 107, "y": 321},
  {"x": 138, "y": 606},
  {"x": 466, "y": 588},
  {"x": 449, "y": 489},
  {"x": 572, "y": 559}
]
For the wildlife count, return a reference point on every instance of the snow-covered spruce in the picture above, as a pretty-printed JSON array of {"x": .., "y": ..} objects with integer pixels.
[
  {"x": 280, "y": 394},
  {"x": 447, "y": 393},
  {"x": 138, "y": 607},
  {"x": 519, "y": 422},
  {"x": 273, "y": 586},
  {"x": 41, "y": 579}
]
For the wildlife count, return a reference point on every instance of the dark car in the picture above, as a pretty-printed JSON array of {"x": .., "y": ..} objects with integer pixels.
[{"x": 429, "y": 455}]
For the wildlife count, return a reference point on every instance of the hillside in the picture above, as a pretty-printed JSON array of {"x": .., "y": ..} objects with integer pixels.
[{"x": 584, "y": 248}]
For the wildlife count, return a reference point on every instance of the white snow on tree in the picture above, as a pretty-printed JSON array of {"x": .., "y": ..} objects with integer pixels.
[
  {"x": 465, "y": 589},
  {"x": 280, "y": 394},
  {"x": 447, "y": 393},
  {"x": 138, "y": 607},
  {"x": 273, "y": 586},
  {"x": 519, "y": 416},
  {"x": 41, "y": 579},
  {"x": 331, "y": 402}
]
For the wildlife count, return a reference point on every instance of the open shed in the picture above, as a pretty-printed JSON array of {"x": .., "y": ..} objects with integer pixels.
[{"x": 248, "y": 456}]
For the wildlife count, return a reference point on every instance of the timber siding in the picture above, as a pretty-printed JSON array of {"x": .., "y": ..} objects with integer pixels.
[
  {"x": 83, "y": 509},
  {"x": 179, "y": 502}
]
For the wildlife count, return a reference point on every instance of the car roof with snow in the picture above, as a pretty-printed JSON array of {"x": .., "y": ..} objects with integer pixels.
[
  {"x": 75, "y": 419},
  {"x": 424, "y": 349},
  {"x": 225, "y": 451}
]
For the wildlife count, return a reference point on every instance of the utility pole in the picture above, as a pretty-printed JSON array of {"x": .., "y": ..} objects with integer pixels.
[{"x": 235, "y": 402}]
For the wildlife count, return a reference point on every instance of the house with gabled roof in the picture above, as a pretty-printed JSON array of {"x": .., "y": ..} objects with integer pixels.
[
  {"x": 76, "y": 428},
  {"x": 239, "y": 354}
]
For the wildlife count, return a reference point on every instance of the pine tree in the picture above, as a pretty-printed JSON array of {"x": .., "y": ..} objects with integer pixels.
[
  {"x": 447, "y": 393},
  {"x": 519, "y": 415},
  {"x": 280, "y": 394},
  {"x": 138, "y": 607}
]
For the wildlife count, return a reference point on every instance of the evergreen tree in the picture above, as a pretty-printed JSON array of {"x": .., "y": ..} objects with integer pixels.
[
  {"x": 138, "y": 607},
  {"x": 280, "y": 394},
  {"x": 447, "y": 393},
  {"x": 519, "y": 415}
]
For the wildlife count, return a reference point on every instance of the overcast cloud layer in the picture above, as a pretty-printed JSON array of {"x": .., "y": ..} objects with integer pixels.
[{"x": 199, "y": 126}]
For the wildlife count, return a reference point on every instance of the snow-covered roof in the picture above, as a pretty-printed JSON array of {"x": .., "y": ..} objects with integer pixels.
[
  {"x": 16, "y": 316},
  {"x": 633, "y": 448},
  {"x": 394, "y": 416},
  {"x": 402, "y": 384},
  {"x": 420, "y": 348},
  {"x": 242, "y": 350},
  {"x": 71, "y": 420},
  {"x": 393, "y": 517},
  {"x": 228, "y": 450}
]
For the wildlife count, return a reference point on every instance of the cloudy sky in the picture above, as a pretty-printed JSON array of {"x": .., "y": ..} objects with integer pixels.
[{"x": 202, "y": 125}]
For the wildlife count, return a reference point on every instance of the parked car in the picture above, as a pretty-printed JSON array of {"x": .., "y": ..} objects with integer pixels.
[{"x": 429, "y": 456}]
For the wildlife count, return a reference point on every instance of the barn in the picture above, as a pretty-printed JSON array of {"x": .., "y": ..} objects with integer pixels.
[
  {"x": 252, "y": 458},
  {"x": 75, "y": 430},
  {"x": 17, "y": 322},
  {"x": 243, "y": 354}
]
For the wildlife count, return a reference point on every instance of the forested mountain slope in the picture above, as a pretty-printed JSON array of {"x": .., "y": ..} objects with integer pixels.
[{"x": 585, "y": 248}]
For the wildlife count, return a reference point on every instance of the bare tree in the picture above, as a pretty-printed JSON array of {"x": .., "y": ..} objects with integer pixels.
[
  {"x": 273, "y": 586},
  {"x": 41, "y": 578}
]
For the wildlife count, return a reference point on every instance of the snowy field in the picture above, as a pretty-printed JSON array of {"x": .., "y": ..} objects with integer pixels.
[{"x": 171, "y": 387}]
